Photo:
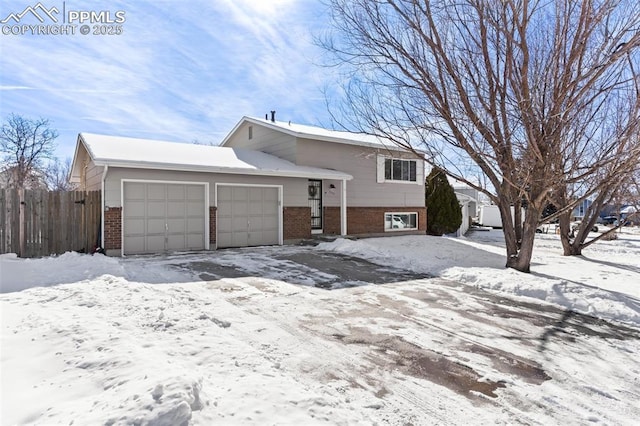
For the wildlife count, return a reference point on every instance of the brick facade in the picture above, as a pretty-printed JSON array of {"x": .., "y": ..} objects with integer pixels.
[
  {"x": 212, "y": 226},
  {"x": 113, "y": 228},
  {"x": 296, "y": 223},
  {"x": 368, "y": 220}
]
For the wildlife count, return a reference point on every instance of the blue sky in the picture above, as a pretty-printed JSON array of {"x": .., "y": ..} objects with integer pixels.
[{"x": 180, "y": 71}]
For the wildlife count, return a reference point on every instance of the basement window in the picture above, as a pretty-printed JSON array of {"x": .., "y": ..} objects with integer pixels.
[{"x": 405, "y": 221}]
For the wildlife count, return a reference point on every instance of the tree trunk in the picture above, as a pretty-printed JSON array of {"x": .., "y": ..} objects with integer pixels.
[{"x": 519, "y": 251}]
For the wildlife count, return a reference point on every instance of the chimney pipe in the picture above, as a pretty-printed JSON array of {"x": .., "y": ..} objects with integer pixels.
[
  {"x": 266, "y": 116},
  {"x": 273, "y": 116}
]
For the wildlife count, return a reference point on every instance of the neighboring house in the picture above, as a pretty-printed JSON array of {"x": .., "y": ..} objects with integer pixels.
[
  {"x": 468, "y": 206},
  {"x": 269, "y": 183}
]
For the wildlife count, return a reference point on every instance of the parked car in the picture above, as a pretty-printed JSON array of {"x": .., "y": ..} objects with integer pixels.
[
  {"x": 610, "y": 220},
  {"x": 395, "y": 223}
]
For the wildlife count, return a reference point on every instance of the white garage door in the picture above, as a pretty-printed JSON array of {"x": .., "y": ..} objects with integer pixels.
[
  {"x": 160, "y": 217},
  {"x": 247, "y": 216}
]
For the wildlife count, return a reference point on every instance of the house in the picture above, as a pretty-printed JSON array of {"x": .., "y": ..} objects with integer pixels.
[
  {"x": 468, "y": 207},
  {"x": 269, "y": 182}
]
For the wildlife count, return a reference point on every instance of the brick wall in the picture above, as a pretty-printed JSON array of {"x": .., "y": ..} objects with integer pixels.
[
  {"x": 368, "y": 220},
  {"x": 296, "y": 223},
  {"x": 113, "y": 228},
  {"x": 212, "y": 226}
]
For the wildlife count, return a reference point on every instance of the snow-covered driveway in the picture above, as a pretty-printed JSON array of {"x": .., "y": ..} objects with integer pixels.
[{"x": 297, "y": 335}]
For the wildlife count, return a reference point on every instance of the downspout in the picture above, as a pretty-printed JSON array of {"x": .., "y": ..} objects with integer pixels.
[
  {"x": 343, "y": 209},
  {"x": 104, "y": 176}
]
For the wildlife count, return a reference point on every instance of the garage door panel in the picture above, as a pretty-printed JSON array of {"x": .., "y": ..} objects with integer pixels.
[
  {"x": 135, "y": 244},
  {"x": 175, "y": 226},
  {"x": 239, "y": 223},
  {"x": 195, "y": 193},
  {"x": 176, "y": 192},
  {"x": 256, "y": 207},
  {"x": 156, "y": 226},
  {"x": 240, "y": 193},
  {"x": 155, "y": 244},
  {"x": 194, "y": 241},
  {"x": 176, "y": 242},
  {"x": 240, "y": 239},
  {"x": 162, "y": 216},
  {"x": 195, "y": 208},
  {"x": 223, "y": 193},
  {"x": 256, "y": 223},
  {"x": 134, "y": 191},
  {"x": 135, "y": 208},
  {"x": 176, "y": 209},
  {"x": 195, "y": 225},
  {"x": 247, "y": 216},
  {"x": 156, "y": 208},
  {"x": 156, "y": 191},
  {"x": 134, "y": 226}
]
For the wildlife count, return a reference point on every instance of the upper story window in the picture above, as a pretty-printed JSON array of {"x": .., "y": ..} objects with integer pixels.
[
  {"x": 250, "y": 132},
  {"x": 400, "y": 170}
]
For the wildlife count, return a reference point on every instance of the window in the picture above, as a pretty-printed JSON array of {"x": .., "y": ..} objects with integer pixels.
[
  {"x": 250, "y": 132},
  {"x": 400, "y": 221},
  {"x": 402, "y": 170}
]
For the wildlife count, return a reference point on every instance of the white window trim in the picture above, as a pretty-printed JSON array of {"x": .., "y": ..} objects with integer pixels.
[
  {"x": 401, "y": 229},
  {"x": 381, "y": 172}
]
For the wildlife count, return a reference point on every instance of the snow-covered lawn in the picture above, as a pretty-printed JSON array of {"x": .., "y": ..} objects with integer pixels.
[{"x": 153, "y": 340}]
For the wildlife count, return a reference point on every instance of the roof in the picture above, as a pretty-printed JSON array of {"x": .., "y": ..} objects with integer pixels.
[
  {"x": 317, "y": 133},
  {"x": 116, "y": 151}
]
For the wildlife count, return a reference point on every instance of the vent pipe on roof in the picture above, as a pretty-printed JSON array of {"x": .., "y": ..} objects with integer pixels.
[
  {"x": 273, "y": 116},
  {"x": 266, "y": 116}
]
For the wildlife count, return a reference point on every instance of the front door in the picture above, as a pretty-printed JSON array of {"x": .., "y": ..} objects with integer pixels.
[{"x": 315, "y": 203}]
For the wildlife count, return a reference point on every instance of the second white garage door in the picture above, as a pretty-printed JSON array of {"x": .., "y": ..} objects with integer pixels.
[
  {"x": 247, "y": 216},
  {"x": 160, "y": 217}
]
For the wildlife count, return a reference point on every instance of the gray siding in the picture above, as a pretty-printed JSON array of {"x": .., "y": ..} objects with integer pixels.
[
  {"x": 89, "y": 174},
  {"x": 294, "y": 189},
  {"x": 265, "y": 140},
  {"x": 361, "y": 163},
  {"x": 93, "y": 177}
]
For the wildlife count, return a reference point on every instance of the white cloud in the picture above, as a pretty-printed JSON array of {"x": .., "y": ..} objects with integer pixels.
[{"x": 177, "y": 72}]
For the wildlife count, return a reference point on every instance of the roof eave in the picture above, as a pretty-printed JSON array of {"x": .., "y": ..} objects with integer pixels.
[{"x": 229, "y": 170}]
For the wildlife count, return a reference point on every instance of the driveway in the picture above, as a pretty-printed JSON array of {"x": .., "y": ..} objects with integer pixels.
[{"x": 412, "y": 341}]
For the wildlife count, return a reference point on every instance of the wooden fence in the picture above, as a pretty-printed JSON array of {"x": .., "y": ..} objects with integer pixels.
[{"x": 36, "y": 223}]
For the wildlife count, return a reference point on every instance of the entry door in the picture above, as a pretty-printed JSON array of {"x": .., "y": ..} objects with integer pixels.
[
  {"x": 247, "y": 216},
  {"x": 159, "y": 217},
  {"x": 315, "y": 202}
]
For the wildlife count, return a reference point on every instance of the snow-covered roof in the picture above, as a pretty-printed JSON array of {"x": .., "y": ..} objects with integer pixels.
[
  {"x": 117, "y": 151},
  {"x": 317, "y": 133}
]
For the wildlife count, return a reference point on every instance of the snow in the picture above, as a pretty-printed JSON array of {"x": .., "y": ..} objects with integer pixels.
[
  {"x": 151, "y": 340},
  {"x": 319, "y": 133},
  {"x": 118, "y": 150},
  {"x": 604, "y": 282}
]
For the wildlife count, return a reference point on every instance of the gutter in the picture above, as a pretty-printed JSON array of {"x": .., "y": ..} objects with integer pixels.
[{"x": 104, "y": 176}]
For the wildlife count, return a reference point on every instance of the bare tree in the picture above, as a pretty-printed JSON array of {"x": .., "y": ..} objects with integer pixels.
[
  {"x": 492, "y": 91},
  {"x": 25, "y": 144},
  {"x": 57, "y": 175}
]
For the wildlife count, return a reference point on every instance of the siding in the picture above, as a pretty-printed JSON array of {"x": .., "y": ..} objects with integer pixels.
[
  {"x": 93, "y": 177},
  {"x": 265, "y": 140},
  {"x": 294, "y": 189},
  {"x": 361, "y": 163}
]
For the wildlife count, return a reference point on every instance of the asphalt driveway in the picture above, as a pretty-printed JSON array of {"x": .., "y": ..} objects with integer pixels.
[{"x": 392, "y": 327}]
